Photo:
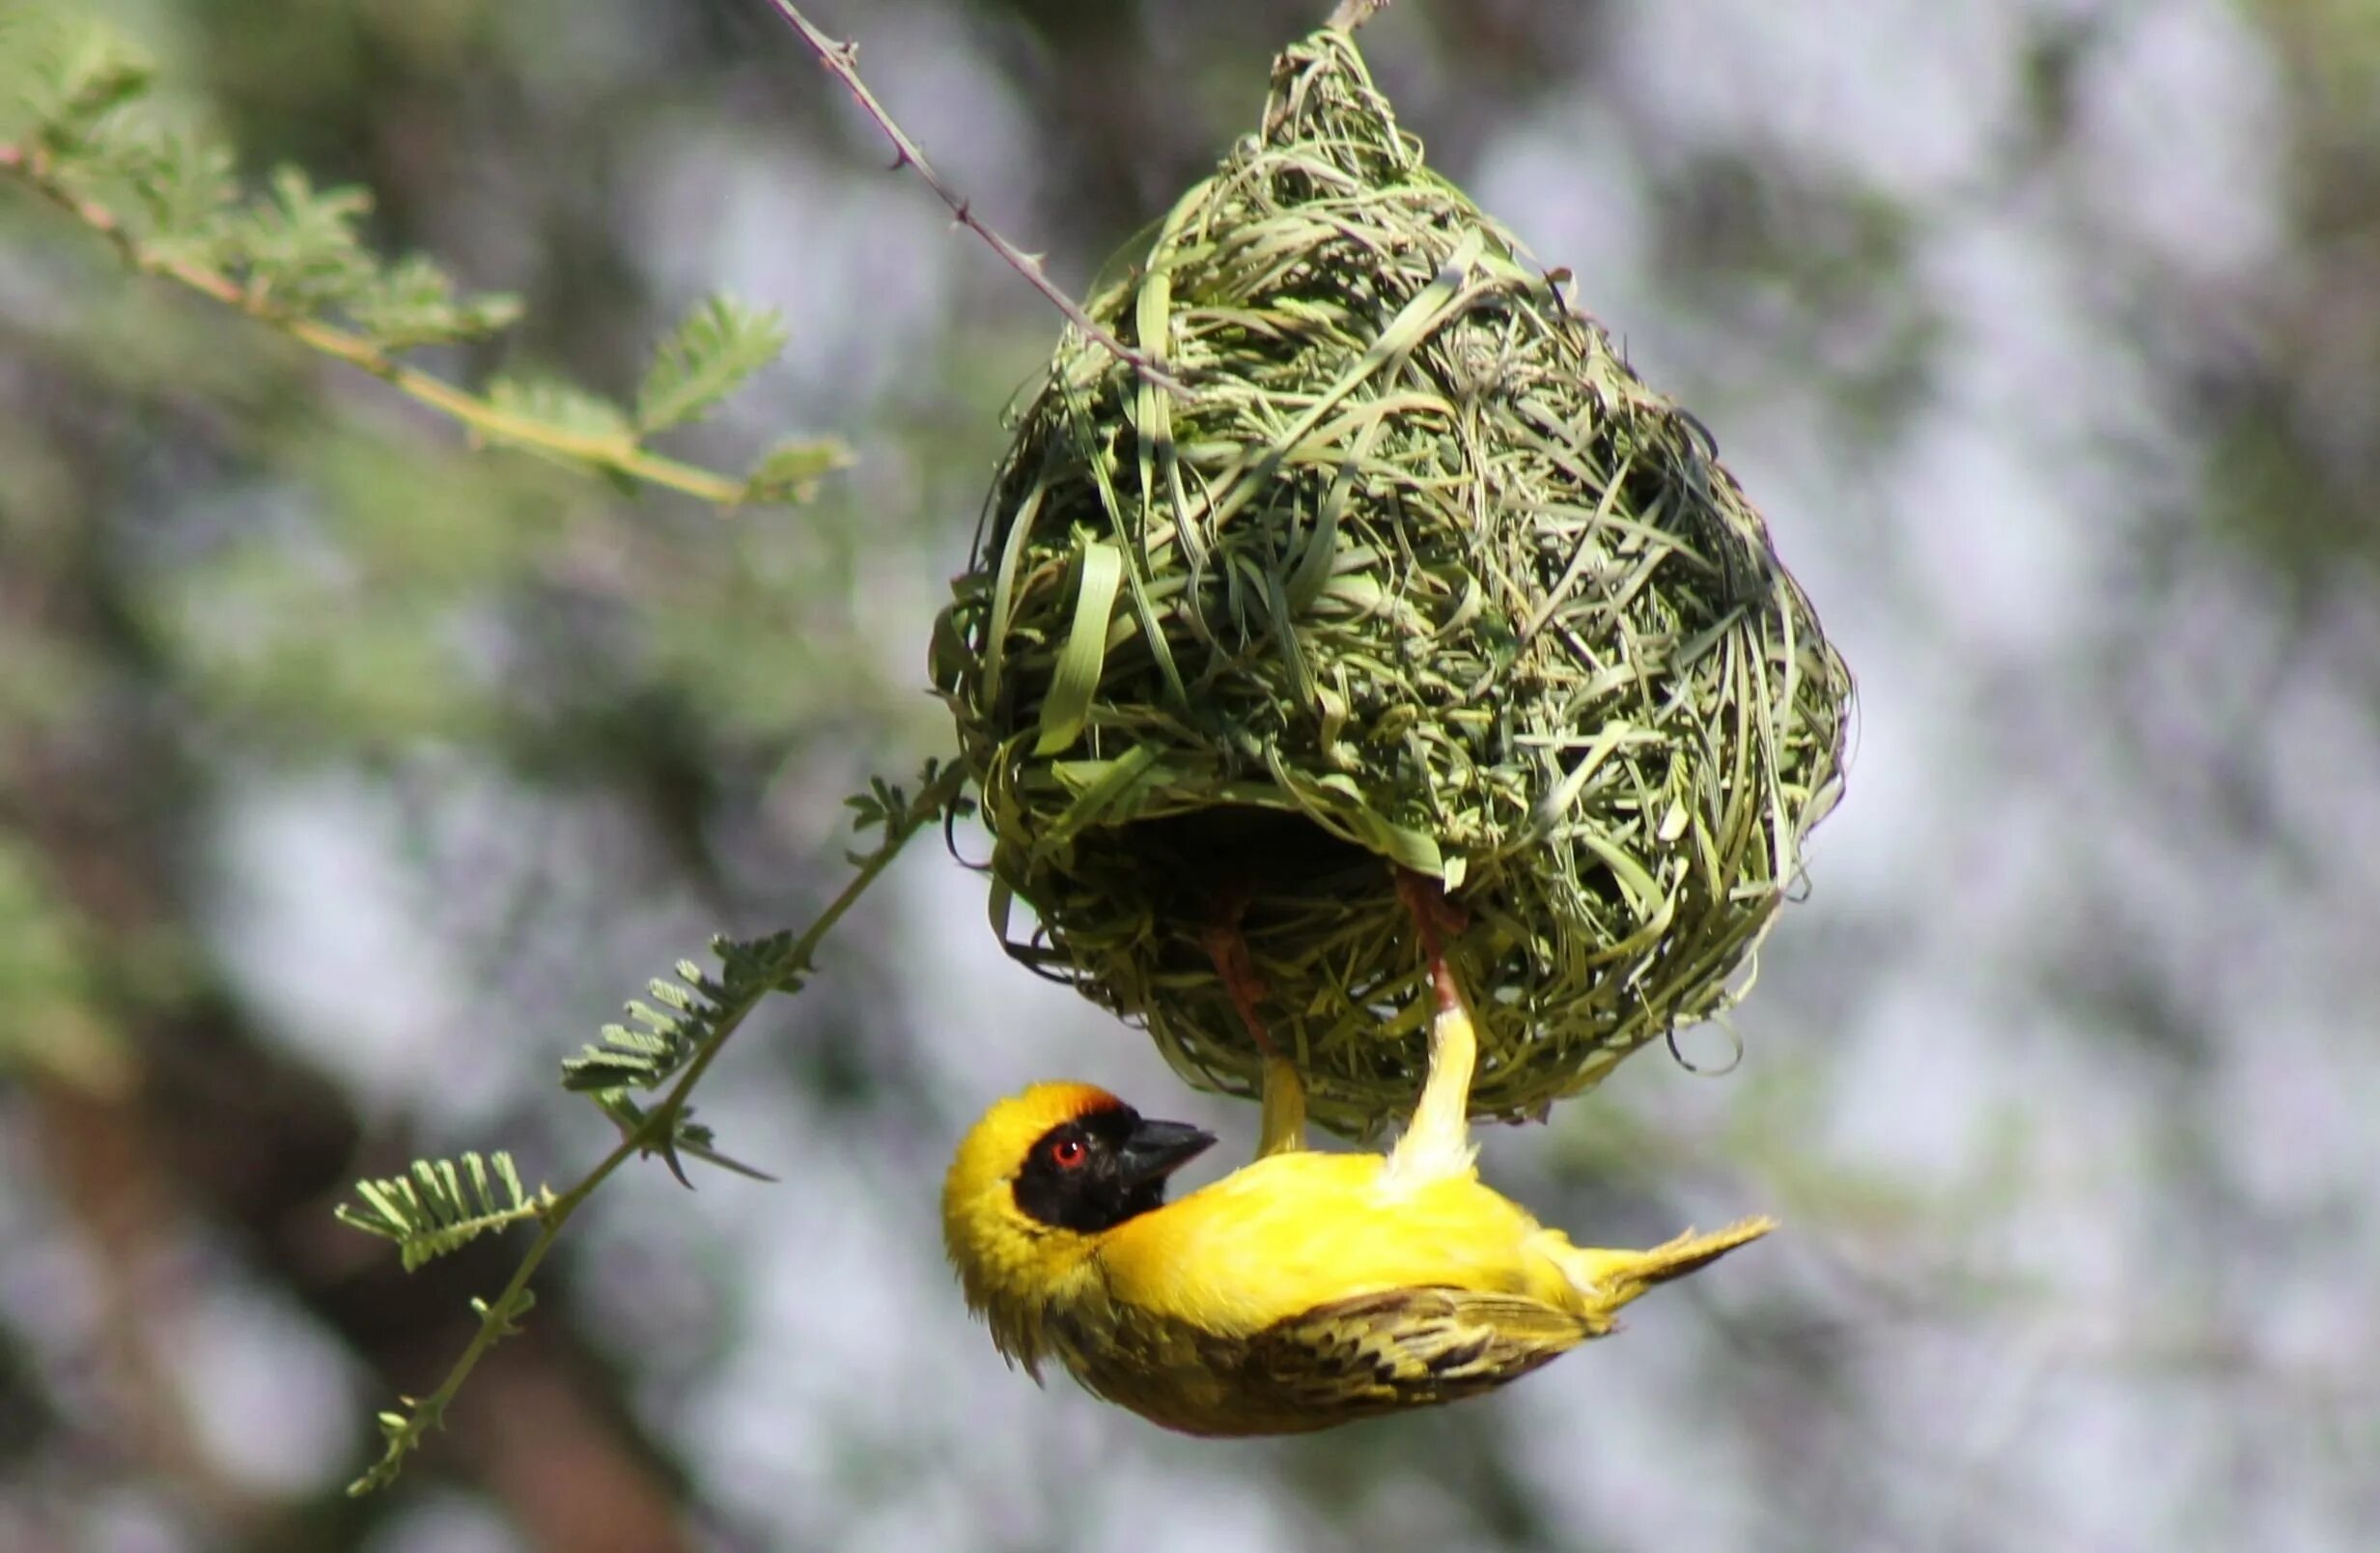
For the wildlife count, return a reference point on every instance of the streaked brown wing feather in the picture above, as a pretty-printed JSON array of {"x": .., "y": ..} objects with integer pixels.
[{"x": 1407, "y": 1347}]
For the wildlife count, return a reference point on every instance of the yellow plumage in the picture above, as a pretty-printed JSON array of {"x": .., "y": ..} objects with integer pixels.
[{"x": 1304, "y": 1290}]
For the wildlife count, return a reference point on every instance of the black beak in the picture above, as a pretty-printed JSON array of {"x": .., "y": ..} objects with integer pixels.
[{"x": 1156, "y": 1149}]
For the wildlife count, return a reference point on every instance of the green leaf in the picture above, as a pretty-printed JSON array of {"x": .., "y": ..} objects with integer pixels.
[
  {"x": 661, "y": 1041},
  {"x": 80, "y": 73},
  {"x": 553, "y": 403},
  {"x": 415, "y": 303},
  {"x": 300, "y": 248},
  {"x": 788, "y": 472},
  {"x": 719, "y": 344},
  {"x": 443, "y": 1205},
  {"x": 189, "y": 197}
]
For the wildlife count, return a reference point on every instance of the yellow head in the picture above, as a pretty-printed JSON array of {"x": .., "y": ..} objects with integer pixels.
[{"x": 1035, "y": 1185}]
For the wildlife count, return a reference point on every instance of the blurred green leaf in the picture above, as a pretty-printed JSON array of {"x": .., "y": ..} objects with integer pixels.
[{"x": 705, "y": 358}]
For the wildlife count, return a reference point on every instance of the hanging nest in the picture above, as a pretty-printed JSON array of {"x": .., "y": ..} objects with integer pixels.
[{"x": 1418, "y": 574}]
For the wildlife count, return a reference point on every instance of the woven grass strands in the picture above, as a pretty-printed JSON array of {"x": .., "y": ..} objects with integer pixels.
[{"x": 1419, "y": 573}]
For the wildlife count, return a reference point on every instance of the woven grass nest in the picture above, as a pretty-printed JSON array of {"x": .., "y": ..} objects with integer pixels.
[{"x": 1418, "y": 573}]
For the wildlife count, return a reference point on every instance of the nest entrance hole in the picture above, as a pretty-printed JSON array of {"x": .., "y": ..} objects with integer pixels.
[{"x": 1268, "y": 865}]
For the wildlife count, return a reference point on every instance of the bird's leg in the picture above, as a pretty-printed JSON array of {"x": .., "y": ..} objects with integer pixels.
[
  {"x": 1283, "y": 1124},
  {"x": 1437, "y": 1142}
]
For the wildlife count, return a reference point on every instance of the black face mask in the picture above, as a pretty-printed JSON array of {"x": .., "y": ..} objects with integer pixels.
[{"x": 1094, "y": 1172}]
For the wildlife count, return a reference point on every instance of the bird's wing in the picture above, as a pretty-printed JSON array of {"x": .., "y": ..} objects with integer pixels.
[{"x": 1405, "y": 1348}]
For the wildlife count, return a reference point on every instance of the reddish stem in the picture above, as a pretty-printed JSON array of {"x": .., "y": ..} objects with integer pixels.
[{"x": 1227, "y": 946}]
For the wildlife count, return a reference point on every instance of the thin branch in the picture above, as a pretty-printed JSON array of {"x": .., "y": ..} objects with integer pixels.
[
  {"x": 498, "y": 1316},
  {"x": 1349, "y": 15},
  {"x": 619, "y": 454},
  {"x": 842, "y": 62}
]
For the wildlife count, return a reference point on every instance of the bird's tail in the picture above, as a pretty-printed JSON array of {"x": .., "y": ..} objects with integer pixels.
[{"x": 1607, "y": 1279}]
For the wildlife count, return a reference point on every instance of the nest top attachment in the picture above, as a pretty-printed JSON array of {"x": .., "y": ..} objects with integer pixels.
[{"x": 1419, "y": 576}]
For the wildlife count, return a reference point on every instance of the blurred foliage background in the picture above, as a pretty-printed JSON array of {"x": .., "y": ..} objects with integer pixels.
[{"x": 349, "y": 778}]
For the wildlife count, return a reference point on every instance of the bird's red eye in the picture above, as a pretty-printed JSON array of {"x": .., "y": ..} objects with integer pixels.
[{"x": 1069, "y": 1153}]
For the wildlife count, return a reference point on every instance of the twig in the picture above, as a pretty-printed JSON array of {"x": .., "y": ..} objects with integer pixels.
[
  {"x": 842, "y": 62},
  {"x": 1349, "y": 15},
  {"x": 617, "y": 453},
  {"x": 498, "y": 1316}
]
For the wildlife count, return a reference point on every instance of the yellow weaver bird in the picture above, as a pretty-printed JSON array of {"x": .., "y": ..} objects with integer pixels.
[{"x": 1304, "y": 1290}]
